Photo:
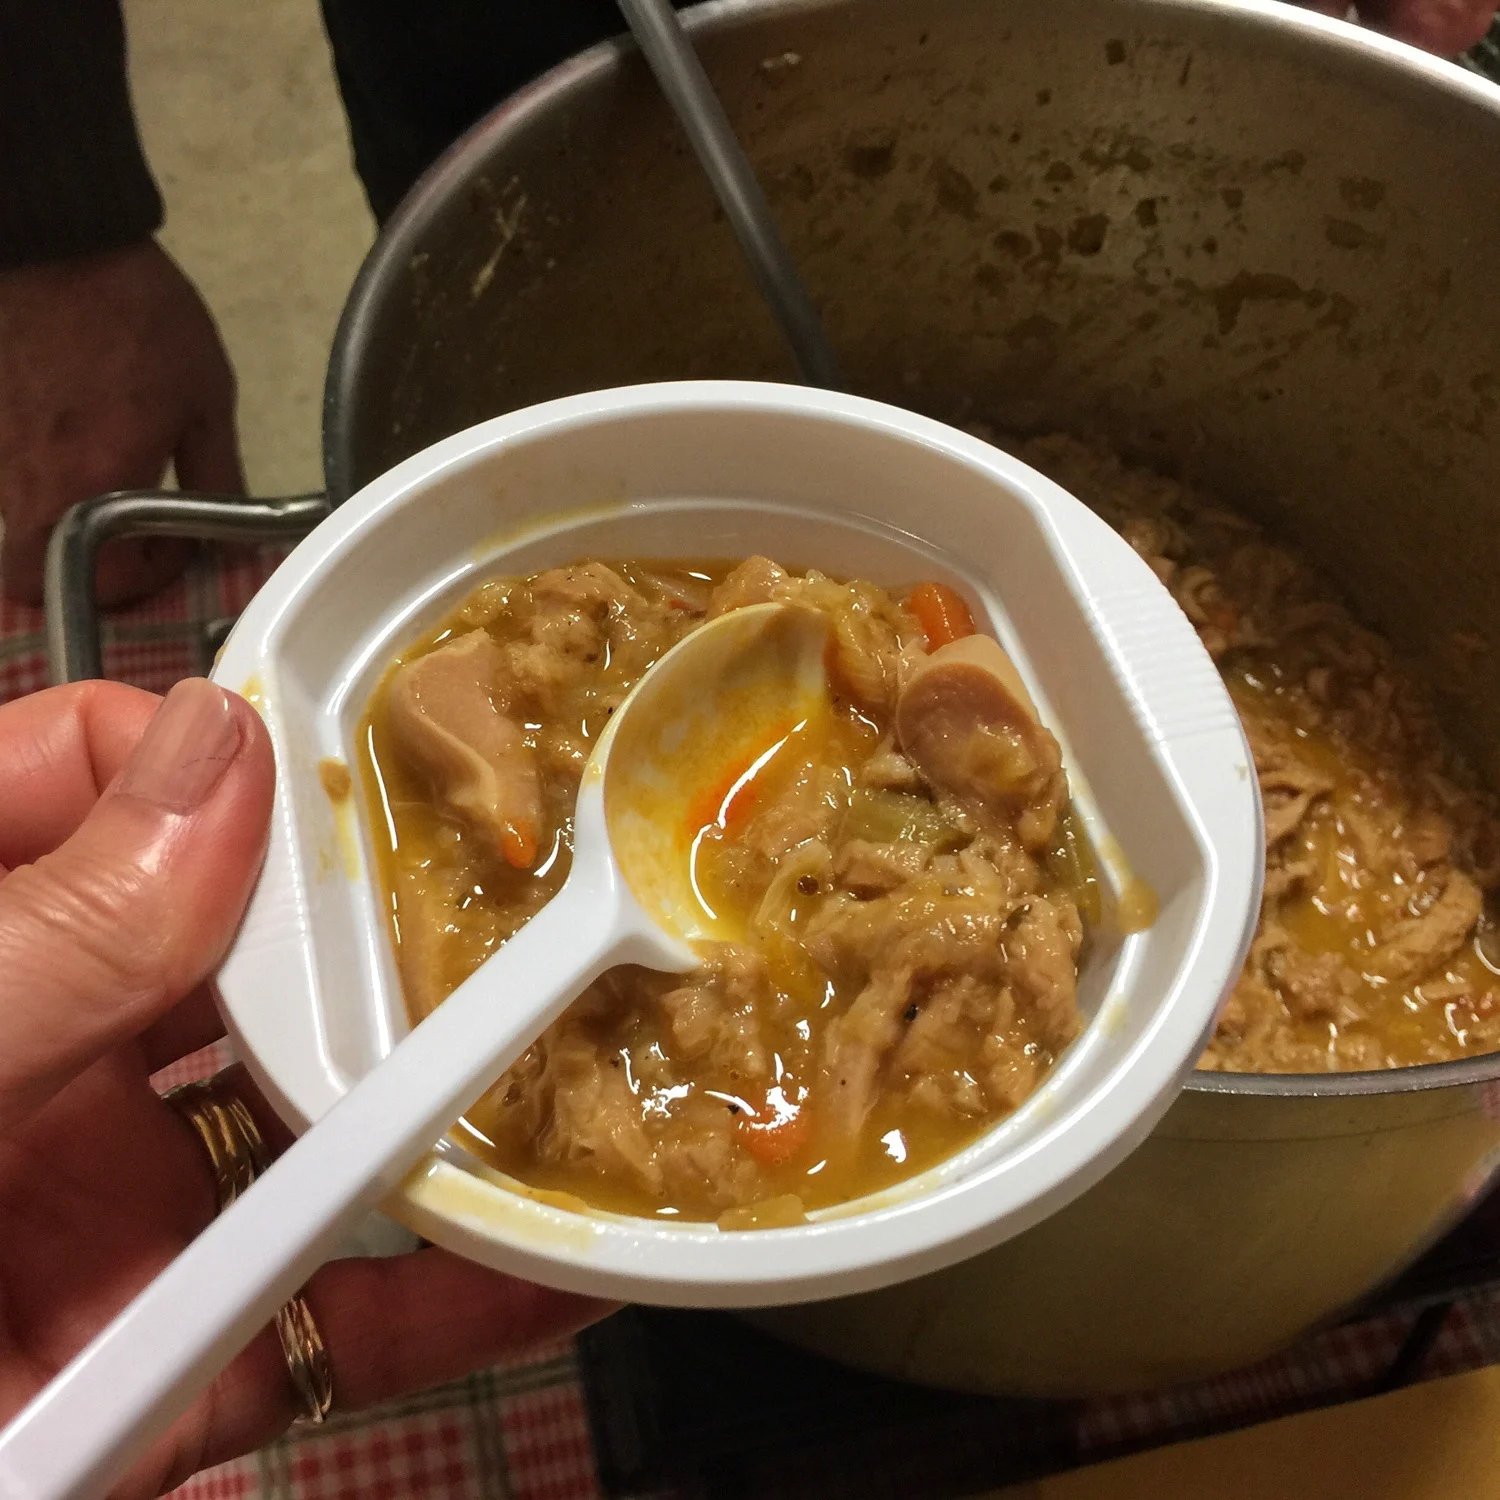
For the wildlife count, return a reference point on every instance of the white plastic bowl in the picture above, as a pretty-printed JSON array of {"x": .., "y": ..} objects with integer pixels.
[{"x": 1159, "y": 769}]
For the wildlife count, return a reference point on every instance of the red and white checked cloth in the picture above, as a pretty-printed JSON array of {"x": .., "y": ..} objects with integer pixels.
[
  {"x": 520, "y": 1431},
  {"x": 156, "y": 643}
]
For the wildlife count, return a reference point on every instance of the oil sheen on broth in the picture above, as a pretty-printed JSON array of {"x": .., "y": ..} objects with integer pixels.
[{"x": 909, "y": 884}]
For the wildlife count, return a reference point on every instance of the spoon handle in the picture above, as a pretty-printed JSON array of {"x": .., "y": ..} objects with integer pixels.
[
  {"x": 660, "y": 36},
  {"x": 146, "y": 1367}
]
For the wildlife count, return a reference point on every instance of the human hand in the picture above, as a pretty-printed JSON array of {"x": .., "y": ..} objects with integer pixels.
[
  {"x": 129, "y": 841},
  {"x": 110, "y": 367},
  {"x": 1446, "y": 27}
]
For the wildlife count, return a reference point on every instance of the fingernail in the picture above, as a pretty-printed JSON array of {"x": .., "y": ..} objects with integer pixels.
[{"x": 187, "y": 747}]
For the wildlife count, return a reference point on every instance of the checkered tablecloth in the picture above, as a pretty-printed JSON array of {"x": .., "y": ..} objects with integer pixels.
[
  {"x": 521, "y": 1431},
  {"x": 515, "y": 1432},
  {"x": 170, "y": 636}
]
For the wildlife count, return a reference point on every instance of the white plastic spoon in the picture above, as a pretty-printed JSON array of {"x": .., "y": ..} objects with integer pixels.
[{"x": 727, "y": 691}]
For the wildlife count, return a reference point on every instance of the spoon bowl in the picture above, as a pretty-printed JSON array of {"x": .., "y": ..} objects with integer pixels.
[{"x": 700, "y": 723}]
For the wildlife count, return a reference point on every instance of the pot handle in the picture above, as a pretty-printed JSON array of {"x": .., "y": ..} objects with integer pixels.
[{"x": 73, "y": 649}]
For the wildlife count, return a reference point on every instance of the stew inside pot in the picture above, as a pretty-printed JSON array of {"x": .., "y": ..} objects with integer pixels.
[
  {"x": 1377, "y": 945},
  {"x": 909, "y": 885}
]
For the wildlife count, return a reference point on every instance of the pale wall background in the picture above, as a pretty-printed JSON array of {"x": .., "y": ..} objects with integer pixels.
[{"x": 243, "y": 128}]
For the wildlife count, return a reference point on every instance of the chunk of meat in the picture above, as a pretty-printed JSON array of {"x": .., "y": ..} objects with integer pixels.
[
  {"x": 1288, "y": 790},
  {"x": 921, "y": 926},
  {"x": 872, "y": 638},
  {"x": 942, "y": 1037},
  {"x": 1429, "y": 838},
  {"x": 570, "y": 617},
  {"x": 888, "y": 770},
  {"x": 1012, "y": 1067},
  {"x": 802, "y": 871},
  {"x": 1425, "y": 942},
  {"x": 450, "y": 720},
  {"x": 855, "y": 1046},
  {"x": 1216, "y": 620},
  {"x": 866, "y": 662},
  {"x": 1287, "y": 873},
  {"x": 888, "y": 946},
  {"x": 930, "y": 943},
  {"x": 948, "y": 979},
  {"x": 967, "y": 721},
  {"x": 1152, "y": 537},
  {"x": 704, "y": 1161},
  {"x": 757, "y": 580},
  {"x": 588, "y": 588},
  {"x": 575, "y": 640},
  {"x": 1314, "y": 987},
  {"x": 1040, "y": 950},
  {"x": 594, "y": 1119},
  {"x": 1369, "y": 831},
  {"x": 870, "y": 869},
  {"x": 717, "y": 1015},
  {"x": 803, "y": 810}
]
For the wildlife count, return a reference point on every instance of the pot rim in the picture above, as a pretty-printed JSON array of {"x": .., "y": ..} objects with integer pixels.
[
  {"x": 405, "y": 229},
  {"x": 1419, "y": 1078}
]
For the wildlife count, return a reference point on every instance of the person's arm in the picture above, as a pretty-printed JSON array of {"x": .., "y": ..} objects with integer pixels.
[{"x": 110, "y": 365}]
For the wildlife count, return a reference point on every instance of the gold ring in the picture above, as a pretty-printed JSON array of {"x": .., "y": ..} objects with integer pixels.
[
  {"x": 236, "y": 1149},
  {"x": 238, "y": 1155},
  {"x": 306, "y": 1358}
]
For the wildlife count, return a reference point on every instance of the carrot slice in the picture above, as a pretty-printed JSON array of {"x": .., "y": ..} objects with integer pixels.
[
  {"x": 772, "y": 1142},
  {"x": 518, "y": 845},
  {"x": 941, "y": 612}
]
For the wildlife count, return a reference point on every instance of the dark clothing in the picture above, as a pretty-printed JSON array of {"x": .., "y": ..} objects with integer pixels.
[
  {"x": 415, "y": 74},
  {"x": 72, "y": 176}
]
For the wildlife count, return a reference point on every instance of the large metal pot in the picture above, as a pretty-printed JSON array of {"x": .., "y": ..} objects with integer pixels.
[{"x": 1247, "y": 244}]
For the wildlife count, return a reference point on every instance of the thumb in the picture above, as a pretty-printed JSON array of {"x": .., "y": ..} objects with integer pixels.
[{"x": 104, "y": 935}]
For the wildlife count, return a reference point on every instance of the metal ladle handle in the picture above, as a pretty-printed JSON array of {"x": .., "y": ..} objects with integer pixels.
[
  {"x": 680, "y": 74},
  {"x": 73, "y": 646}
]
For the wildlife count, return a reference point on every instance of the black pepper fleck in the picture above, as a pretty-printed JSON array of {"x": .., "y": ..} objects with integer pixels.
[{"x": 807, "y": 885}]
